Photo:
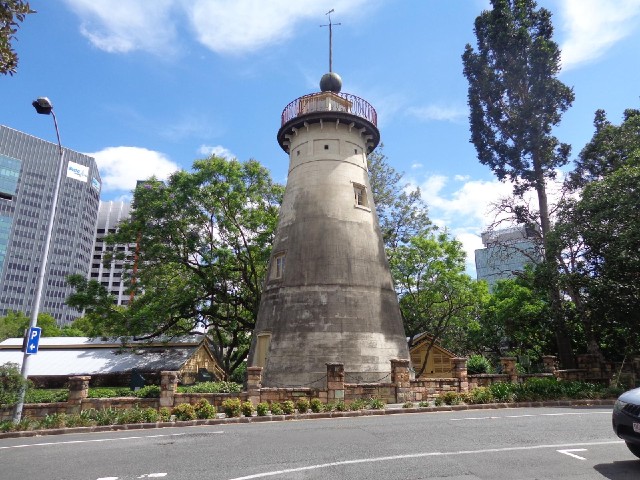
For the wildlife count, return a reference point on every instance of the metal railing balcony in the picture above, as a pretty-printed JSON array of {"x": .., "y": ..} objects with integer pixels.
[{"x": 330, "y": 102}]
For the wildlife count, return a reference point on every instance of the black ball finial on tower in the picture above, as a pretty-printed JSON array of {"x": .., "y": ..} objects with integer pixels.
[{"x": 331, "y": 82}]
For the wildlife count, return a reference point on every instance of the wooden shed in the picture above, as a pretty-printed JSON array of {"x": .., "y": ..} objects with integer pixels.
[{"x": 439, "y": 363}]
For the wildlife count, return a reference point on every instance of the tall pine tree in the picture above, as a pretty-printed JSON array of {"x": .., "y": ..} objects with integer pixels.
[{"x": 515, "y": 101}]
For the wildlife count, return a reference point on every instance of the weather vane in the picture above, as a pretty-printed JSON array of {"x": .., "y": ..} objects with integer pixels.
[{"x": 330, "y": 25}]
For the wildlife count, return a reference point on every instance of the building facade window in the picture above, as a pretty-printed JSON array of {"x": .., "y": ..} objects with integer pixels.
[
  {"x": 360, "y": 194},
  {"x": 277, "y": 269}
]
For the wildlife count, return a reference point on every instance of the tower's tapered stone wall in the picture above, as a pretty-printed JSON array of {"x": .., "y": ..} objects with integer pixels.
[{"x": 328, "y": 296}]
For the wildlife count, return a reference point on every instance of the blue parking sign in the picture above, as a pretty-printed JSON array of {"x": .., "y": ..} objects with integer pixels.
[{"x": 33, "y": 339}]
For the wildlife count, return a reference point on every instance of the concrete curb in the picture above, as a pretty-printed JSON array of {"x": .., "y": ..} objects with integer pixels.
[{"x": 394, "y": 410}]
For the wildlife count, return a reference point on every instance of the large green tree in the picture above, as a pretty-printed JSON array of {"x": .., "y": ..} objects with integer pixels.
[
  {"x": 203, "y": 242},
  {"x": 12, "y": 13},
  {"x": 14, "y": 324},
  {"x": 515, "y": 100},
  {"x": 600, "y": 228},
  {"x": 435, "y": 293}
]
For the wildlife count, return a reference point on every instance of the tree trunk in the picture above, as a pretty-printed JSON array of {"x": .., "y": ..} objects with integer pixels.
[{"x": 563, "y": 340}]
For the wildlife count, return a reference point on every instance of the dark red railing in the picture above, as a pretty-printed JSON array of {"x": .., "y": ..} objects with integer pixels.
[{"x": 324, "y": 102}]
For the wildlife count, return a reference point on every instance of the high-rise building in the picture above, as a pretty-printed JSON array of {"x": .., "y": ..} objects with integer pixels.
[
  {"x": 328, "y": 296},
  {"x": 506, "y": 253},
  {"x": 28, "y": 172},
  {"x": 110, "y": 214}
]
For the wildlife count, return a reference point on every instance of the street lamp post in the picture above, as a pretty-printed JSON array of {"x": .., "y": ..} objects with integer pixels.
[{"x": 43, "y": 106}]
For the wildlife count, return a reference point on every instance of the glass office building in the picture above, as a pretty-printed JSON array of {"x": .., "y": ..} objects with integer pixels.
[
  {"x": 110, "y": 274},
  {"x": 506, "y": 253},
  {"x": 28, "y": 171}
]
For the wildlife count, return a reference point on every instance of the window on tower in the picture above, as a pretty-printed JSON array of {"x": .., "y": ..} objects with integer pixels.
[
  {"x": 277, "y": 269},
  {"x": 360, "y": 193}
]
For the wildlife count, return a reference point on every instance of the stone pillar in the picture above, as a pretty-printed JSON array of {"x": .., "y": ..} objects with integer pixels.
[
  {"x": 400, "y": 377},
  {"x": 78, "y": 391},
  {"x": 335, "y": 382},
  {"x": 509, "y": 368},
  {"x": 254, "y": 384},
  {"x": 591, "y": 363},
  {"x": 460, "y": 372},
  {"x": 168, "y": 388},
  {"x": 549, "y": 363}
]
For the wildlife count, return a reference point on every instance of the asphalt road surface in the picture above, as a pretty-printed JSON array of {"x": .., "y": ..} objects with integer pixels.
[{"x": 507, "y": 444}]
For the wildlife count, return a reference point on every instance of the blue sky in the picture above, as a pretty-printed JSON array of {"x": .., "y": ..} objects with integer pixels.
[{"x": 147, "y": 87}]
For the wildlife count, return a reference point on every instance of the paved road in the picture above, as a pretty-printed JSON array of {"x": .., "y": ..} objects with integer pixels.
[{"x": 509, "y": 444}]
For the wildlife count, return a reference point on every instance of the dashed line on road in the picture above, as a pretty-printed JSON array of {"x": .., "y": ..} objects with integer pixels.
[
  {"x": 418, "y": 455},
  {"x": 494, "y": 417}
]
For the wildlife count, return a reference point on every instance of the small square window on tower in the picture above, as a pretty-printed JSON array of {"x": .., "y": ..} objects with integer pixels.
[
  {"x": 360, "y": 193},
  {"x": 277, "y": 268}
]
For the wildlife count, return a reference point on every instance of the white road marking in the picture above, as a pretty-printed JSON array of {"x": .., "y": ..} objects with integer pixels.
[
  {"x": 417, "y": 455},
  {"x": 108, "y": 478},
  {"x": 68, "y": 442},
  {"x": 568, "y": 452},
  {"x": 493, "y": 417},
  {"x": 153, "y": 475}
]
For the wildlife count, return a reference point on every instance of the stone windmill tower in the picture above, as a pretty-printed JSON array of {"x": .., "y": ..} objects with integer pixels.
[{"x": 328, "y": 296}]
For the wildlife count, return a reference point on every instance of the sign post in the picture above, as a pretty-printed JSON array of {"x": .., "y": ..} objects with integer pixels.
[{"x": 33, "y": 340}]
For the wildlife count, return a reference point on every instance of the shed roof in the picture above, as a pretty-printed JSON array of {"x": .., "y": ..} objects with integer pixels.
[{"x": 64, "y": 356}]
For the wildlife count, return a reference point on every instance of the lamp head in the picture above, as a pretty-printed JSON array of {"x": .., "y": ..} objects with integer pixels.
[{"x": 42, "y": 105}]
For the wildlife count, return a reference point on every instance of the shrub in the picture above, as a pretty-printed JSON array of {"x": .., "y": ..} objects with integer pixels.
[
  {"x": 132, "y": 415},
  {"x": 502, "y": 392},
  {"x": 148, "y": 391},
  {"x": 11, "y": 384},
  {"x": 211, "y": 387},
  {"x": 376, "y": 404},
  {"x": 247, "y": 408},
  {"x": 478, "y": 364},
  {"x": 424, "y": 404},
  {"x": 105, "y": 416},
  {"x": 479, "y": 395},
  {"x": 184, "y": 411},
  {"x": 50, "y": 395},
  {"x": 165, "y": 414},
  {"x": 438, "y": 401},
  {"x": 288, "y": 407},
  {"x": 451, "y": 398},
  {"x": 358, "y": 404},
  {"x": 6, "y": 426},
  {"x": 407, "y": 405},
  {"x": 55, "y": 420},
  {"x": 535, "y": 389},
  {"x": 204, "y": 409},
  {"x": 78, "y": 420},
  {"x": 25, "y": 424},
  {"x": 276, "y": 408},
  {"x": 303, "y": 404},
  {"x": 110, "y": 392},
  {"x": 262, "y": 409},
  {"x": 330, "y": 407},
  {"x": 316, "y": 405},
  {"x": 341, "y": 406},
  {"x": 232, "y": 407}
]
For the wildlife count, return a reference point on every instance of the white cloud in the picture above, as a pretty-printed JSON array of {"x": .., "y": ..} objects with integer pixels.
[
  {"x": 127, "y": 25},
  {"x": 121, "y": 167},
  {"x": 223, "y": 26},
  {"x": 218, "y": 151},
  {"x": 593, "y": 26},
  {"x": 248, "y": 25},
  {"x": 415, "y": 166},
  {"x": 439, "y": 113}
]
